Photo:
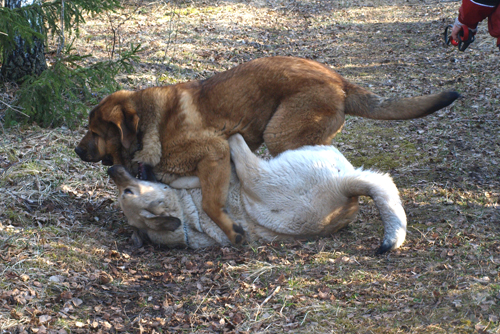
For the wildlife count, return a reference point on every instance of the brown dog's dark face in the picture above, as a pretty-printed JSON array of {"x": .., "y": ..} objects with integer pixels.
[{"x": 113, "y": 125}]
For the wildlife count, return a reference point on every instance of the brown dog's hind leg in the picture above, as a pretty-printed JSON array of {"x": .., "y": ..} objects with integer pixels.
[
  {"x": 292, "y": 127},
  {"x": 214, "y": 172}
]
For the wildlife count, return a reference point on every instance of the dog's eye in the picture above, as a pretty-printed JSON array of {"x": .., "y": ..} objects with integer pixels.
[{"x": 127, "y": 191}]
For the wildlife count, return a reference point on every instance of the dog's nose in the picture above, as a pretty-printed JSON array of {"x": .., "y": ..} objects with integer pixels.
[
  {"x": 121, "y": 176},
  {"x": 80, "y": 151},
  {"x": 112, "y": 171}
]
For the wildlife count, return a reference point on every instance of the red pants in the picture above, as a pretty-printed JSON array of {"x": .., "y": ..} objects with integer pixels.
[{"x": 472, "y": 12}]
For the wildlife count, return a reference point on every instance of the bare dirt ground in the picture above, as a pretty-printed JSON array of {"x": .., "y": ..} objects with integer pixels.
[{"x": 66, "y": 261}]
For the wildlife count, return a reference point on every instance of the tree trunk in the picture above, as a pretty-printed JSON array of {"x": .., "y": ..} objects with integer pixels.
[{"x": 26, "y": 58}]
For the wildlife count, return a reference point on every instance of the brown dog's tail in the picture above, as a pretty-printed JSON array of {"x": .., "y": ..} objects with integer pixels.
[{"x": 363, "y": 103}]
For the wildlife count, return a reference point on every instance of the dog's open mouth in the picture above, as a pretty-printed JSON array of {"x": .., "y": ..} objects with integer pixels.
[
  {"x": 107, "y": 160},
  {"x": 145, "y": 172},
  {"x": 142, "y": 173}
]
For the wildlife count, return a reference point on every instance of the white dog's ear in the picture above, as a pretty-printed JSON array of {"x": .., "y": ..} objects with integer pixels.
[
  {"x": 147, "y": 214},
  {"x": 160, "y": 222}
]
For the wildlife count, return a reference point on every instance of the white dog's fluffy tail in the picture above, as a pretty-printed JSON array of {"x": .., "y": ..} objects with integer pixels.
[{"x": 384, "y": 193}]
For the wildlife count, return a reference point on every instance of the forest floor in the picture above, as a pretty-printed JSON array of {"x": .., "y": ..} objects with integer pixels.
[{"x": 66, "y": 261}]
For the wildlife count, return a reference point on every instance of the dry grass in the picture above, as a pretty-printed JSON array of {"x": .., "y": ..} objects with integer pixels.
[{"x": 67, "y": 265}]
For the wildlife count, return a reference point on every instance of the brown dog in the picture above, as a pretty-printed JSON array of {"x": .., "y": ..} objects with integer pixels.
[{"x": 282, "y": 101}]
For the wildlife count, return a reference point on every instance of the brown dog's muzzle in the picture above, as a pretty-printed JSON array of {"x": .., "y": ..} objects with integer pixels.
[
  {"x": 107, "y": 160},
  {"x": 80, "y": 152}
]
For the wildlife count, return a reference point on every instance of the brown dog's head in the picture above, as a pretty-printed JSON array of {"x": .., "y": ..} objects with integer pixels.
[{"x": 113, "y": 125}]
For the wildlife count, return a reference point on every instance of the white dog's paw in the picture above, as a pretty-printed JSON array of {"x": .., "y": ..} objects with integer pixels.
[
  {"x": 237, "y": 145},
  {"x": 236, "y": 139}
]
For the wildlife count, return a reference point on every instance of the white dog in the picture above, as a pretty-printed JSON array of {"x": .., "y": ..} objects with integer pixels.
[{"x": 311, "y": 191}]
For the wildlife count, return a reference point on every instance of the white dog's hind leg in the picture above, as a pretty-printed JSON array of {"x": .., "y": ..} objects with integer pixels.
[
  {"x": 247, "y": 164},
  {"x": 383, "y": 191}
]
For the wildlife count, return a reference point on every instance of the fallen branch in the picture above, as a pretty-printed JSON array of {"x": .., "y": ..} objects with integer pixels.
[
  {"x": 266, "y": 300},
  {"x": 16, "y": 109}
]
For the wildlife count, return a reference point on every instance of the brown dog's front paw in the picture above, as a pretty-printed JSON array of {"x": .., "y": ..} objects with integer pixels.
[{"x": 239, "y": 234}]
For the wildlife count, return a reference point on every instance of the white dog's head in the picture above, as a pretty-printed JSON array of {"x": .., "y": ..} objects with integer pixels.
[{"x": 148, "y": 206}]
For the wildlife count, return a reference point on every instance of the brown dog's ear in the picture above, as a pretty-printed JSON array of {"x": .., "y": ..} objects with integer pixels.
[{"x": 127, "y": 122}]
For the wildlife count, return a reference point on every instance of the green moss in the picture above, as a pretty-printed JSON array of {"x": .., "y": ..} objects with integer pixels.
[
  {"x": 199, "y": 10},
  {"x": 374, "y": 144},
  {"x": 381, "y": 162},
  {"x": 16, "y": 217}
]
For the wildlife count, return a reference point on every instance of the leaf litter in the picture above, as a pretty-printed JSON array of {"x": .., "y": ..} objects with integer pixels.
[{"x": 68, "y": 265}]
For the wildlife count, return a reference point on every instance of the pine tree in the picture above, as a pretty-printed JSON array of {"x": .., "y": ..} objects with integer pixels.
[
  {"x": 55, "y": 95},
  {"x": 24, "y": 57}
]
